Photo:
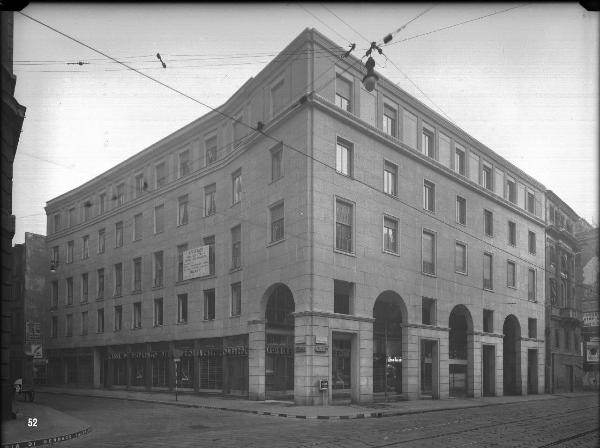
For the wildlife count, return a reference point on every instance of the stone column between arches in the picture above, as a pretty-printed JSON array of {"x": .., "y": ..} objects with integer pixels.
[{"x": 256, "y": 360}]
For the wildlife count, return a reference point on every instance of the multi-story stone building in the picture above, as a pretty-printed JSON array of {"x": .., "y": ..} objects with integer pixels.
[
  {"x": 564, "y": 369},
  {"x": 588, "y": 292},
  {"x": 30, "y": 266},
  {"x": 308, "y": 230}
]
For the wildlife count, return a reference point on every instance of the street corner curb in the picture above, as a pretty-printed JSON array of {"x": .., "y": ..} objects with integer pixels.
[{"x": 49, "y": 440}]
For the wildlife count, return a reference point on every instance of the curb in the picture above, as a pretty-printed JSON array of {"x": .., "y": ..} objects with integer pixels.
[{"x": 49, "y": 440}]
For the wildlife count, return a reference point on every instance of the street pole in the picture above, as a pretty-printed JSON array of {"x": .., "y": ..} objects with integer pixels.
[{"x": 386, "y": 360}]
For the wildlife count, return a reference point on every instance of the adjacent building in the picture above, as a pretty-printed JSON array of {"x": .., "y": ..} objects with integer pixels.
[
  {"x": 564, "y": 368},
  {"x": 316, "y": 231},
  {"x": 30, "y": 267}
]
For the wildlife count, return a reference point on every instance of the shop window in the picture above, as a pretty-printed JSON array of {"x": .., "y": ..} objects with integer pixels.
[
  {"x": 342, "y": 296},
  {"x": 428, "y": 311}
]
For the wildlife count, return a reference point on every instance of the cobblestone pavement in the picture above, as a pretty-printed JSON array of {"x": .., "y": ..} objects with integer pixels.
[{"x": 563, "y": 422}]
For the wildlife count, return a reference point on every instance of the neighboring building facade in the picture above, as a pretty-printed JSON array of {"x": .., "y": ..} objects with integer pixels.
[
  {"x": 587, "y": 290},
  {"x": 30, "y": 266},
  {"x": 370, "y": 243},
  {"x": 564, "y": 368},
  {"x": 11, "y": 122}
]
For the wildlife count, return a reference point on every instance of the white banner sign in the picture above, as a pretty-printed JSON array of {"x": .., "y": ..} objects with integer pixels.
[
  {"x": 591, "y": 354},
  {"x": 196, "y": 262},
  {"x": 591, "y": 319}
]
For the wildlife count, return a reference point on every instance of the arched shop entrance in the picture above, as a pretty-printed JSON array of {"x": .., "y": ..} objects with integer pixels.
[
  {"x": 511, "y": 364},
  {"x": 279, "y": 333},
  {"x": 387, "y": 346},
  {"x": 460, "y": 351}
]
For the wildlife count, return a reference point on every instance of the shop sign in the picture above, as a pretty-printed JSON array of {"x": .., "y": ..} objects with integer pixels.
[
  {"x": 36, "y": 351},
  {"x": 320, "y": 348},
  {"x": 394, "y": 359},
  {"x": 236, "y": 350},
  {"x": 300, "y": 347},
  {"x": 321, "y": 340},
  {"x": 324, "y": 384},
  {"x": 196, "y": 262},
  {"x": 32, "y": 332},
  {"x": 137, "y": 355},
  {"x": 279, "y": 349},
  {"x": 592, "y": 351},
  {"x": 591, "y": 319}
]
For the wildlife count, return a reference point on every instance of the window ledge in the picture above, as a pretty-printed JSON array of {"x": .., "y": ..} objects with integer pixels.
[
  {"x": 183, "y": 322},
  {"x": 154, "y": 288},
  {"x": 488, "y": 289},
  {"x": 395, "y": 254},
  {"x": 235, "y": 269},
  {"x": 117, "y": 296},
  {"x": 511, "y": 287},
  {"x": 237, "y": 316},
  {"x": 235, "y": 203},
  {"x": 461, "y": 273},
  {"x": 428, "y": 274},
  {"x": 136, "y": 291},
  {"x": 99, "y": 299},
  {"x": 275, "y": 180},
  {"x": 274, "y": 243},
  {"x": 351, "y": 254}
]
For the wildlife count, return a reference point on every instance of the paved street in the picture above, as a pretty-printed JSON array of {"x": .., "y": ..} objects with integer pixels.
[{"x": 564, "y": 421}]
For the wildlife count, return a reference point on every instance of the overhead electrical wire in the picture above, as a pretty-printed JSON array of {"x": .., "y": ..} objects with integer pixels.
[{"x": 325, "y": 164}]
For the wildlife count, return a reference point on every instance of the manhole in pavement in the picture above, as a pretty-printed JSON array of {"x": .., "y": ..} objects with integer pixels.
[{"x": 198, "y": 427}]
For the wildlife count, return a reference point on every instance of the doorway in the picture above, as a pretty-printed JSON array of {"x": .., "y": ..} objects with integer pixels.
[
  {"x": 341, "y": 366},
  {"x": 488, "y": 370},
  {"x": 511, "y": 351},
  {"x": 429, "y": 363},
  {"x": 532, "y": 371}
]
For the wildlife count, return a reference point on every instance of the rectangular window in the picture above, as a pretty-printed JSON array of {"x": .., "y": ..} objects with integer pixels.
[
  {"x": 473, "y": 167},
  {"x": 511, "y": 274},
  {"x": 54, "y": 256},
  {"x": 137, "y": 227},
  {"x": 56, "y": 222},
  {"x": 210, "y": 206},
  {"x": 100, "y": 326},
  {"x": 488, "y": 223},
  {"x": 180, "y": 250},
  {"x": 69, "y": 300},
  {"x": 343, "y": 226},
  {"x": 512, "y": 233},
  {"x": 530, "y": 202},
  {"x": 182, "y": 303},
  {"x": 120, "y": 194},
  {"x": 101, "y": 241},
  {"x": 72, "y": 220},
  {"x": 390, "y": 120},
  {"x": 102, "y": 203},
  {"x": 567, "y": 339},
  {"x": 427, "y": 146},
  {"x": 84, "y": 287},
  {"x": 343, "y": 93},
  {"x": 85, "y": 253},
  {"x": 236, "y": 299},
  {"x": 488, "y": 272},
  {"x": 157, "y": 275},
  {"x": 183, "y": 210},
  {"x": 511, "y": 191},
  {"x": 428, "y": 311},
  {"x": 84, "y": 323},
  {"x": 118, "y": 279},
  {"x": 118, "y": 318},
  {"x": 236, "y": 247},
  {"x": 70, "y": 248},
  {"x": 210, "y": 148},
  {"x": 158, "y": 312},
  {"x": 137, "y": 274},
  {"x": 486, "y": 176},
  {"x": 184, "y": 163},
  {"x": 390, "y": 235},
  {"x": 100, "y": 283},
  {"x": 54, "y": 295},
  {"x": 236, "y": 183},
  {"x": 87, "y": 210},
  {"x": 69, "y": 325},
  {"x": 532, "y": 328},
  {"x": 209, "y": 304},
  {"x": 390, "y": 178},
  {"x": 161, "y": 175},
  {"x": 342, "y": 297},
  {"x": 119, "y": 234},
  {"x": 159, "y": 218},
  {"x": 343, "y": 158},
  {"x": 461, "y": 210},
  {"x": 210, "y": 241},
  {"x": 277, "y": 223},
  {"x": 54, "y": 327},
  {"x": 459, "y": 161},
  {"x": 488, "y": 321},
  {"x": 409, "y": 129},
  {"x": 531, "y": 242},
  {"x": 137, "y": 315},
  {"x": 556, "y": 338},
  {"x": 278, "y": 97},
  {"x": 276, "y": 160},
  {"x": 429, "y": 196},
  {"x": 460, "y": 258},
  {"x": 428, "y": 252},
  {"x": 140, "y": 185},
  {"x": 531, "y": 295}
]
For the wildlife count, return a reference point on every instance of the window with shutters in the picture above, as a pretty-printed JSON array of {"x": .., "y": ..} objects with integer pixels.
[{"x": 343, "y": 226}]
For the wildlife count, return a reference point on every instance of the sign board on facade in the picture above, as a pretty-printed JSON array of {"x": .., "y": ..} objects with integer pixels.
[
  {"x": 591, "y": 319},
  {"x": 196, "y": 262},
  {"x": 592, "y": 351},
  {"x": 324, "y": 384},
  {"x": 321, "y": 340},
  {"x": 320, "y": 348},
  {"x": 36, "y": 351},
  {"x": 32, "y": 332}
]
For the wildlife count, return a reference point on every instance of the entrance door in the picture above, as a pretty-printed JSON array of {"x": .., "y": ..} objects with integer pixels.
[
  {"x": 532, "y": 373},
  {"x": 570, "y": 377},
  {"x": 489, "y": 356},
  {"x": 427, "y": 352},
  {"x": 341, "y": 366}
]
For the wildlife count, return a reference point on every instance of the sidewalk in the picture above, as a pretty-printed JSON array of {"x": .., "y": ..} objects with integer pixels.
[
  {"x": 38, "y": 425},
  {"x": 289, "y": 410}
]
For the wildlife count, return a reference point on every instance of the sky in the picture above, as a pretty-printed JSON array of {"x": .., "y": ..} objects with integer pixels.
[{"x": 524, "y": 82}]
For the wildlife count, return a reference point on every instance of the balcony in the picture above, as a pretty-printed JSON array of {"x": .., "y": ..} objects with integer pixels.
[{"x": 570, "y": 313}]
